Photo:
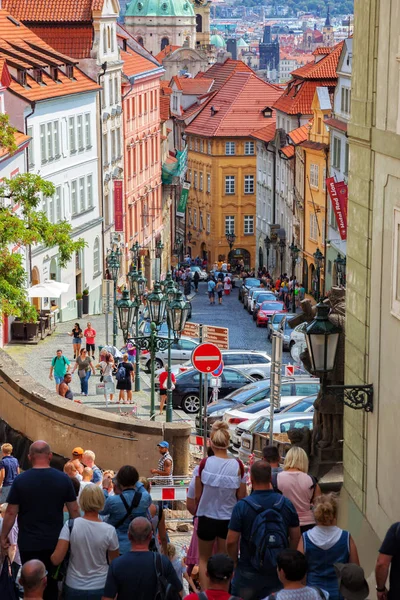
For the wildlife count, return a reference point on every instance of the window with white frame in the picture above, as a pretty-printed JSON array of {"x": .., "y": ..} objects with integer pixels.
[
  {"x": 195, "y": 180},
  {"x": 201, "y": 181},
  {"x": 208, "y": 183},
  {"x": 248, "y": 225},
  {"x": 201, "y": 146},
  {"x": 82, "y": 205},
  {"x": 314, "y": 175},
  {"x": 195, "y": 218},
  {"x": 43, "y": 147},
  {"x": 113, "y": 143},
  {"x": 89, "y": 190},
  {"x": 229, "y": 224},
  {"x": 111, "y": 89},
  {"x": 229, "y": 148},
  {"x": 336, "y": 152},
  {"x": 50, "y": 214},
  {"x": 345, "y": 100},
  {"x": 249, "y": 184},
  {"x": 208, "y": 226},
  {"x": 58, "y": 204},
  {"x": 96, "y": 256},
  {"x": 313, "y": 227},
  {"x": 190, "y": 143},
  {"x": 31, "y": 157},
  {"x": 116, "y": 89},
  {"x": 201, "y": 224},
  {"x": 175, "y": 108},
  {"x": 196, "y": 144},
  {"x": 229, "y": 184},
  {"x": 249, "y": 148},
  {"x": 49, "y": 141},
  {"x": 80, "y": 132},
  {"x": 209, "y": 147},
  {"x": 74, "y": 197},
  {"x": 118, "y": 142},
  {"x": 88, "y": 133},
  {"x": 105, "y": 149}
]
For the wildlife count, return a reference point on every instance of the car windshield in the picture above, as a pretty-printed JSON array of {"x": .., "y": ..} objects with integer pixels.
[
  {"x": 247, "y": 391},
  {"x": 277, "y": 318},
  {"x": 255, "y": 408},
  {"x": 252, "y": 282},
  {"x": 272, "y": 306},
  {"x": 265, "y": 296},
  {"x": 301, "y": 406}
]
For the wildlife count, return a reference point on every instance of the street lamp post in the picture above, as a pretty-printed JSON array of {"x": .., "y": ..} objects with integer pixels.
[
  {"x": 113, "y": 266},
  {"x": 159, "y": 249},
  {"x": 340, "y": 263},
  {"x": 135, "y": 251},
  {"x": 267, "y": 243},
  {"x": 282, "y": 246},
  {"x": 318, "y": 259},
  {"x": 294, "y": 253},
  {"x": 177, "y": 314},
  {"x": 126, "y": 311},
  {"x": 230, "y": 238},
  {"x": 137, "y": 289}
]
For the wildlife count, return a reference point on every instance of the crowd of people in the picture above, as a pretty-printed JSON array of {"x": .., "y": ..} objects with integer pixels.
[{"x": 92, "y": 534}]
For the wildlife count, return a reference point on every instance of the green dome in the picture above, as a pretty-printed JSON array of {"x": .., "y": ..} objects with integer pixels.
[
  {"x": 160, "y": 8},
  {"x": 217, "y": 41},
  {"x": 241, "y": 43}
]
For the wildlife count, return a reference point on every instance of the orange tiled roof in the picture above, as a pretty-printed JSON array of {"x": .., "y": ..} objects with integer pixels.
[
  {"x": 76, "y": 41},
  {"x": 52, "y": 10},
  {"x": 20, "y": 140},
  {"x": 265, "y": 134},
  {"x": 194, "y": 108},
  {"x": 336, "y": 123},
  {"x": 300, "y": 134},
  {"x": 193, "y": 86},
  {"x": 5, "y": 77},
  {"x": 164, "y": 108},
  {"x": 221, "y": 72},
  {"x": 324, "y": 68},
  {"x": 24, "y": 50},
  {"x": 165, "y": 52},
  {"x": 239, "y": 105},
  {"x": 135, "y": 63},
  {"x": 322, "y": 50},
  {"x": 288, "y": 151}
]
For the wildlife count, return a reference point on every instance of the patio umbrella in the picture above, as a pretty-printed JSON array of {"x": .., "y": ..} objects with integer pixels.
[
  {"x": 43, "y": 290},
  {"x": 57, "y": 285},
  {"x": 113, "y": 350}
]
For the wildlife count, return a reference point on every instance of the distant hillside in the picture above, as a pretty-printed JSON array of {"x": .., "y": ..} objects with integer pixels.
[{"x": 317, "y": 7}]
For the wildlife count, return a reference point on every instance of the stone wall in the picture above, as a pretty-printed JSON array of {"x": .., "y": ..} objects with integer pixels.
[{"x": 37, "y": 413}]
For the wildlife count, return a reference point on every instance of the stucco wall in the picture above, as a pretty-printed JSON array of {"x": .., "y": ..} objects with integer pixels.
[{"x": 37, "y": 413}]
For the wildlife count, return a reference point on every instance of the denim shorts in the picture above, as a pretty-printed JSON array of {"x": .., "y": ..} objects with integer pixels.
[
  {"x": 76, "y": 340},
  {"x": 58, "y": 379}
]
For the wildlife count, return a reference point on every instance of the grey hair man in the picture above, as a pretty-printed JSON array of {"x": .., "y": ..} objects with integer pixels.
[
  {"x": 37, "y": 497},
  {"x": 33, "y": 579},
  {"x": 138, "y": 569}
]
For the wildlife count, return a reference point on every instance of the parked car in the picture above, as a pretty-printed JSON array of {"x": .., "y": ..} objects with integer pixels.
[
  {"x": 202, "y": 273},
  {"x": 181, "y": 350},
  {"x": 186, "y": 392},
  {"x": 254, "y": 440},
  {"x": 290, "y": 393},
  {"x": 259, "y": 296},
  {"x": 248, "y": 282},
  {"x": 267, "y": 309},
  {"x": 275, "y": 321},
  {"x": 298, "y": 334},
  {"x": 248, "y": 293}
]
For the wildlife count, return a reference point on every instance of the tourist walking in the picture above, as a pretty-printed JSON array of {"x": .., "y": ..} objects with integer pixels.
[
  {"x": 90, "y": 335},
  {"x": 9, "y": 469},
  {"x": 389, "y": 559},
  {"x": 85, "y": 368},
  {"x": 93, "y": 545},
  {"x": 77, "y": 336},
  {"x": 295, "y": 483},
  {"x": 211, "y": 291},
  {"x": 107, "y": 366},
  {"x": 227, "y": 285},
  {"x": 136, "y": 574},
  {"x": 196, "y": 279},
  {"x": 263, "y": 515},
  {"x": 219, "y": 289},
  {"x": 163, "y": 382},
  {"x": 59, "y": 366},
  {"x": 292, "y": 570},
  {"x": 131, "y": 501},
  {"x": 125, "y": 377},
  {"x": 220, "y": 484},
  {"x": 37, "y": 497},
  {"x": 325, "y": 545},
  {"x": 33, "y": 580}
]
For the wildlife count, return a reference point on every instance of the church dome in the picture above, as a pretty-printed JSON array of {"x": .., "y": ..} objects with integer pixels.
[
  {"x": 242, "y": 44},
  {"x": 160, "y": 8},
  {"x": 217, "y": 41}
]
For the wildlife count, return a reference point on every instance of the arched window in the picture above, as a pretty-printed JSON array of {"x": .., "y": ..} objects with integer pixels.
[
  {"x": 140, "y": 40},
  {"x": 199, "y": 24},
  {"x": 109, "y": 37},
  {"x": 96, "y": 256},
  {"x": 164, "y": 42}
]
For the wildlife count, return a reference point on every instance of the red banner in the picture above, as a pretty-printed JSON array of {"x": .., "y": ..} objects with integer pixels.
[
  {"x": 118, "y": 206},
  {"x": 338, "y": 194}
]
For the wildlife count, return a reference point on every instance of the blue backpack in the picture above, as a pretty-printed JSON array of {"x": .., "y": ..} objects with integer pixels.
[
  {"x": 120, "y": 375},
  {"x": 268, "y": 535}
]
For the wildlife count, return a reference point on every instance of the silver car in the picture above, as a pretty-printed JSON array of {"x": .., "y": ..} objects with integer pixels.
[
  {"x": 181, "y": 351},
  {"x": 248, "y": 294}
]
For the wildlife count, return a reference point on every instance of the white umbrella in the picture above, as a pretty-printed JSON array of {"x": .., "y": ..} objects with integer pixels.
[
  {"x": 113, "y": 350},
  {"x": 43, "y": 290},
  {"x": 57, "y": 285}
]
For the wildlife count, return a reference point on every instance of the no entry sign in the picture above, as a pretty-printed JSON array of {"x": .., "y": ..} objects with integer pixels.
[{"x": 206, "y": 358}]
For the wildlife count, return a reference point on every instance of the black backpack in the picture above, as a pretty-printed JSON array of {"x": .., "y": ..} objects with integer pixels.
[
  {"x": 134, "y": 504},
  {"x": 165, "y": 590}
]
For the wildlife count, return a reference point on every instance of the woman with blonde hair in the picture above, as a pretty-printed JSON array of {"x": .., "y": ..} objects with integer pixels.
[
  {"x": 220, "y": 483},
  {"x": 325, "y": 545},
  {"x": 91, "y": 543},
  {"x": 295, "y": 483}
]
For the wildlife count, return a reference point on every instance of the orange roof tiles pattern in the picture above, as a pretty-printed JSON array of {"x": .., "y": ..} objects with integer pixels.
[
  {"x": 239, "y": 105},
  {"x": 221, "y": 72},
  {"x": 166, "y": 52},
  {"x": 77, "y": 41},
  {"x": 336, "y": 124},
  {"x": 193, "y": 86},
  {"x": 288, "y": 151},
  {"x": 20, "y": 140},
  {"x": 164, "y": 108},
  {"x": 300, "y": 134},
  {"x": 52, "y": 10},
  {"x": 135, "y": 63},
  {"x": 322, "y": 50},
  {"x": 324, "y": 68},
  {"x": 265, "y": 134}
]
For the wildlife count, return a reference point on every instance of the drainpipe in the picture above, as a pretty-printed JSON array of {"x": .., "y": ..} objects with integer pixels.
[
  {"x": 33, "y": 106},
  {"x": 104, "y": 67}
]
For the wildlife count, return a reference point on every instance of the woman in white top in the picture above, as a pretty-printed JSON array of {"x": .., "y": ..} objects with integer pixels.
[
  {"x": 220, "y": 483},
  {"x": 90, "y": 541},
  {"x": 107, "y": 365}
]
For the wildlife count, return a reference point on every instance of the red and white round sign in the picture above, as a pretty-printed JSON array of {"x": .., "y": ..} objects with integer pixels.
[{"x": 206, "y": 358}]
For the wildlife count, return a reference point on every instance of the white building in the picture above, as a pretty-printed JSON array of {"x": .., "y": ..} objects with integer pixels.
[{"x": 57, "y": 103}]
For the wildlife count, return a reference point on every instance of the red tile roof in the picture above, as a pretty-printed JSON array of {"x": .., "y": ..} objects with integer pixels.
[
  {"x": 164, "y": 108},
  {"x": 192, "y": 110},
  {"x": 324, "y": 68},
  {"x": 265, "y": 134},
  {"x": 191, "y": 86},
  {"x": 52, "y": 10},
  {"x": 165, "y": 52},
  {"x": 134, "y": 63},
  {"x": 336, "y": 124},
  {"x": 221, "y": 72},
  {"x": 5, "y": 77},
  {"x": 314, "y": 145},
  {"x": 322, "y": 50},
  {"x": 76, "y": 41},
  {"x": 239, "y": 104},
  {"x": 300, "y": 134},
  {"x": 298, "y": 98},
  {"x": 288, "y": 151}
]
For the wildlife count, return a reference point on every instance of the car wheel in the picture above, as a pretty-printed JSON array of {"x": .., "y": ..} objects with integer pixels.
[
  {"x": 254, "y": 316},
  {"x": 158, "y": 363},
  {"x": 291, "y": 345},
  {"x": 191, "y": 404}
]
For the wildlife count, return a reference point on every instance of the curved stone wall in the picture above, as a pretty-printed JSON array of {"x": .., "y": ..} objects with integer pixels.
[{"x": 37, "y": 413}]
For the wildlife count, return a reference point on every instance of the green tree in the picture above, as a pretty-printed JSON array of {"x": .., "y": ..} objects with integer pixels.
[{"x": 25, "y": 227}]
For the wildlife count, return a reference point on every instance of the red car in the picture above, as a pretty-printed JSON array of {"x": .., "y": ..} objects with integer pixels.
[{"x": 267, "y": 309}]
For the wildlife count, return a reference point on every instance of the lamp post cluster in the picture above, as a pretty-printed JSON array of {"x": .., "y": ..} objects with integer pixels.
[
  {"x": 294, "y": 253},
  {"x": 319, "y": 261},
  {"x": 113, "y": 265},
  {"x": 340, "y": 263}
]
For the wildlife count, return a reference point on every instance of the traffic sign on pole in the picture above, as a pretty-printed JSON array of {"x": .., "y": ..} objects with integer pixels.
[
  {"x": 206, "y": 358},
  {"x": 218, "y": 370}
]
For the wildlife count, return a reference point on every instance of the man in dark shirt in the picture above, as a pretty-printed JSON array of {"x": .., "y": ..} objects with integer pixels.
[
  {"x": 38, "y": 496},
  {"x": 389, "y": 557},
  {"x": 134, "y": 574},
  {"x": 248, "y": 583}
]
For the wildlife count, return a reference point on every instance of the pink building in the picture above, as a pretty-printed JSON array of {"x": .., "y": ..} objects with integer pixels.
[{"x": 142, "y": 171}]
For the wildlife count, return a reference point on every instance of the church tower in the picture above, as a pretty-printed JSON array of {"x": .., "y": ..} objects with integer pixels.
[
  {"x": 202, "y": 9},
  {"x": 327, "y": 31}
]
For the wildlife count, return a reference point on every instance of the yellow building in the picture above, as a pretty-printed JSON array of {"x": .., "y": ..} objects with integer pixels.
[
  {"x": 316, "y": 157},
  {"x": 222, "y": 169}
]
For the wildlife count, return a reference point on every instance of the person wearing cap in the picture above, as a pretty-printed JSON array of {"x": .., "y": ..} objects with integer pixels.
[
  {"x": 219, "y": 575},
  {"x": 77, "y": 454},
  {"x": 389, "y": 558},
  {"x": 165, "y": 465},
  {"x": 292, "y": 568},
  {"x": 351, "y": 579}
]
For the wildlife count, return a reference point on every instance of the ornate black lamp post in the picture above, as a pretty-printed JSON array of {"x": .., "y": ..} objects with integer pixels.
[
  {"x": 230, "y": 238},
  {"x": 113, "y": 265},
  {"x": 137, "y": 288},
  {"x": 282, "y": 248},
  {"x": 267, "y": 243},
  {"x": 294, "y": 253},
  {"x": 319, "y": 261},
  {"x": 340, "y": 263},
  {"x": 126, "y": 313}
]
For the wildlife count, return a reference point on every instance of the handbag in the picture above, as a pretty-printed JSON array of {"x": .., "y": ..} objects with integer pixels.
[
  {"x": 82, "y": 373},
  {"x": 8, "y": 587}
]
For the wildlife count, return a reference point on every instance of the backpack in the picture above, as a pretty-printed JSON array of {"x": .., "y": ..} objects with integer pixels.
[
  {"x": 274, "y": 596},
  {"x": 134, "y": 504},
  {"x": 268, "y": 535},
  {"x": 274, "y": 481},
  {"x": 165, "y": 590},
  {"x": 203, "y": 596},
  {"x": 53, "y": 362},
  {"x": 120, "y": 375}
]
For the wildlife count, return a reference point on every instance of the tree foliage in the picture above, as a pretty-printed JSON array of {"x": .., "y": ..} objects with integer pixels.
[
  {"x": 7, "y": 134},
  {"x": 23, "y": 224}
]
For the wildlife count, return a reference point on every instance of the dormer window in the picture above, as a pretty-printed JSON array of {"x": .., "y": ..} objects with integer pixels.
[
  {"x": 70, "y": 71},
  {"x": 54, "y": 74},
  {"x": 214, "y": 110},
  {"x": 21, "y": 76},
  {"x": 267, "y": 112},
  {"x": 37, "y": 75}
]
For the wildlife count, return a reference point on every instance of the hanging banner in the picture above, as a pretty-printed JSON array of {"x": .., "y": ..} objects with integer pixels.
[
  {"x": 338, "y": 194},
  {"x": 118, "y": 206},
  {"x": 181, "y": 208}
]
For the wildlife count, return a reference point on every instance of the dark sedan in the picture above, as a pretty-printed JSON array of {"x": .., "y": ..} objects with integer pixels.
[{"x": 186, "y": 393}]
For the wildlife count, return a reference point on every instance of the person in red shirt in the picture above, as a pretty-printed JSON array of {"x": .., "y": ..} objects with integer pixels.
[
  {"x": 219, "y": 574},
  {"x": 90, "y": 335},
  {"x": 163, "y": 380}
]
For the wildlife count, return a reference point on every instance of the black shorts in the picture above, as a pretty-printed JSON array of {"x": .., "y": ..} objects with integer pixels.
[
  {"x": 90, "y": 347},
  {"x": 208, "y": 529}
]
